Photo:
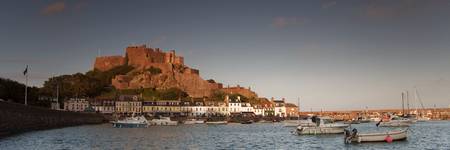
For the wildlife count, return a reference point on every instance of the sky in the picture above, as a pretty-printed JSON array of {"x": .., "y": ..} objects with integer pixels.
[{"x": 332, "y": 55}]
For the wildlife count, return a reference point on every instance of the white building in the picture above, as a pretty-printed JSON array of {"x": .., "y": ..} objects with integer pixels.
[
  {"x": 259, "y": 111},
  {"x": 214, "y": 108},
  {"x": 76, "y": 104},
  {"x": 280, "y": 108},
  {"x": 246, "y": 107},
  {"x": 234, "y": 105}
]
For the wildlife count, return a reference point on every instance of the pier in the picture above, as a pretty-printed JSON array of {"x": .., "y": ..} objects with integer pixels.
[{"x": 17, "y": 118}]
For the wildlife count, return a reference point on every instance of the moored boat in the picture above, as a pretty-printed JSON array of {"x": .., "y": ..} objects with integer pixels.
[
  {"x": 163, "y": 121},
  {"x": 395, "y": 121},
  {"x": 423, "y": 119},
  {"x": 291, "y": 123},
  {"x": 194, "y": 121},
  {"x": 375, "y": 119},
  {"x": 323, "y": 125},
  {"x": 364, "y": 121},
  {"x": 389, "y": 136},
  {"x": 216, "y": 122},
  {"x": 247, "y": 122},
  {"x": 295, "y": 123},
  {"x": 352, "y": 122},
  {"x": 131, "y": 122}
]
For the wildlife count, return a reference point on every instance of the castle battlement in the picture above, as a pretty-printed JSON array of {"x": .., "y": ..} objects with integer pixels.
[
  {"x": 139, "y": 57},
  {"x": 104, "y": 63}
]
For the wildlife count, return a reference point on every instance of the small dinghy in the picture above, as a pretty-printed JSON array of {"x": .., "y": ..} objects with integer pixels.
[{"x": 389, "y": 136}]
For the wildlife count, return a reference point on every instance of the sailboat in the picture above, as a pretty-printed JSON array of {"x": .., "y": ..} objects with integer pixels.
[
  {"x": 421, "y": 117},
  {"x": 389, "y": 120}
]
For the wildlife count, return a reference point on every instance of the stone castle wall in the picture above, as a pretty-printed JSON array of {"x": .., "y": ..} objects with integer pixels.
[
  {"x": 143, "y": 57},
  {"x": 139, "y": 57},
  {"x": 173, "y": 71},
  {"x": 105, "y": 63}
]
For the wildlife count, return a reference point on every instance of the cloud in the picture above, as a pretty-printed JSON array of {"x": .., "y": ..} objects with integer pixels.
[
  {"x": 157, "y": 40},
  {"x": 80, "y": 5},
  {"x": 20, "y": 61},
  {"x": 401, "y": 8},
  {"x": 282, "y": 22},
  {"x": 54, "y": 8},
  {"x": 329, "y": 4}
]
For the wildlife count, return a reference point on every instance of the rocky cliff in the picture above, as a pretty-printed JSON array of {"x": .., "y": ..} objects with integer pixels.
[{"x": 154, "y": 68}]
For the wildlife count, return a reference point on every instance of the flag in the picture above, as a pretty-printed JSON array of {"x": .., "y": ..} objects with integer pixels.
[{"x": 25, "y": 71}]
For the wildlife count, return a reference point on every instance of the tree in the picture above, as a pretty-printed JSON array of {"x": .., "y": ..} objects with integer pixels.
[
  {"x": 172, "y": 94},
  {"x": 235, "y": 96},
  {"x": 218, "y": 95},
  {"x": 15, "y": 91}
]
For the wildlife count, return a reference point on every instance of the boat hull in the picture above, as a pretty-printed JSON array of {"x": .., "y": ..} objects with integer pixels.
[
  {"x": 163, "y": 123},
  {"x": 319, "y": 130},
  {"x": 194, "y": 122},
  {"x": 216, "y": 122},
  {"x": 395, "y": 124},
  {"x": 380, "y": 137},
  {"x": 130, "y": 125}
]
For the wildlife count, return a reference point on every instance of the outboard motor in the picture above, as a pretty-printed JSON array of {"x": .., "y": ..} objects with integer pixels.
[{"x": 349, "y": 135}]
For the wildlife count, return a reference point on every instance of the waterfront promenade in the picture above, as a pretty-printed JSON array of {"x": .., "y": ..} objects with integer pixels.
[
  {"x": 433, "y": 113},
  {"x": 18, "y": 118}
]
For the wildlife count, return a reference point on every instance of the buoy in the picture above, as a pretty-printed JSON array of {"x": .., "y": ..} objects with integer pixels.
[{"x": 388, "y": 139}]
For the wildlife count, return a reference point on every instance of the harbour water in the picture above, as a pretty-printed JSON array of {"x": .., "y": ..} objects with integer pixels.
[{"x": 422, "y": 135}]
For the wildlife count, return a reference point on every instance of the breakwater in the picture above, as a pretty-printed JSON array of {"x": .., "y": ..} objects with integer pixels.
[{"x": 18, "y": 118}]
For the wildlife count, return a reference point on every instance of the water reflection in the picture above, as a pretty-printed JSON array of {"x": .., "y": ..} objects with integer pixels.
[{"x": 422, "y": 135}]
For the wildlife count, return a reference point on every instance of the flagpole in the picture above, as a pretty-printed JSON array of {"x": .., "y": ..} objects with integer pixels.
[
  {"x": 26, "y": 88},
  {"x": 25, "y": 72}
]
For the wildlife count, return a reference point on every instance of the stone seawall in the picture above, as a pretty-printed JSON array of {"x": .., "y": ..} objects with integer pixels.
[{"x": 17, "y": 118}]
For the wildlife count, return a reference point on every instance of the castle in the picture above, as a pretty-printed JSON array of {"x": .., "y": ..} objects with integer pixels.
[
  {"x": 173, "y": 72},
  {"x": 138, "y": 57}
]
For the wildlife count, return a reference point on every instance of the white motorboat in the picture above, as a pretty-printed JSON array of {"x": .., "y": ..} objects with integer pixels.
[
  {"x": 423, "y": 119},
  {"x": 375, "y": 119},
  {"x": 375, "y": 137},
  {"x": 291, "y": 123},
  {"x": 307, "y": 123},
  {"x": 131, "y": 122},
  {"x": 163, "y": 121},
  {"x": 323, "y": 125},
  {"x": 216, "y": 122},
  {"x": 395, "y": 121},
  {"x": 194, "y": 121}
]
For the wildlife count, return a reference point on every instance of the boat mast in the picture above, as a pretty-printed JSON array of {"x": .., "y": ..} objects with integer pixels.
[
  {"x": 407, "y": 101},
  {"x": 403, "y": 104},
  {"x": 420, "y": 100},
  {"x": 57, "y": 95},
  {"x": 298, "y": 112}
]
